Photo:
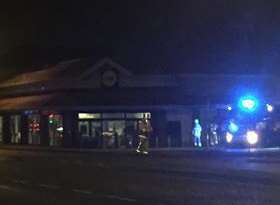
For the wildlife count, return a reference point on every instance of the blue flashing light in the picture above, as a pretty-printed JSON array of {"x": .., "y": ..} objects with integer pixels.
[
  {"x": 248, "y": 103},
  {"x": 233, "y": 128}
]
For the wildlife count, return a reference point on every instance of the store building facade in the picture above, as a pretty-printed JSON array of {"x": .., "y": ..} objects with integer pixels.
[{"x": 98, "y": 105}]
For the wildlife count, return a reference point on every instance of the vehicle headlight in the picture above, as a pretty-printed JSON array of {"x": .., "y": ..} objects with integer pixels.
[
  {"x": 229, "y": 137},
  {"x": 252, "y": 137}
]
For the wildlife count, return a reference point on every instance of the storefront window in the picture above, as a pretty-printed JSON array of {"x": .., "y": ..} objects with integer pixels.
[
  {"x": 138, "y": 115},
  {"x": 55, "y": 129},
  {"x": 96, "y": 135},
  {"x": 131, "y": 134},
  {"x": 84, "y": 128},
  {"x": 15, "y": 126},
  {"x": 90, "y": 134},
  {"x": 34, "y": 129},
  {"x": 113, "y": 133},
  {"x": 109, "y": 130}
]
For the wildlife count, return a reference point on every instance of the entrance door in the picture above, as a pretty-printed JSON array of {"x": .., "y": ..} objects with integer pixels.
[{"x": 174, "y": 133}]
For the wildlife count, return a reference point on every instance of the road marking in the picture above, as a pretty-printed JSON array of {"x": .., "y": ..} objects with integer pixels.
[
  {"x": 216, "y": 181},
  {"x": 5, "y": 187},
  {"x": 121, "y": 198},
  {"x": 20, "y": 181},
  {"x": 82, "y": 191},
  {"x": 48, "y": 186}
]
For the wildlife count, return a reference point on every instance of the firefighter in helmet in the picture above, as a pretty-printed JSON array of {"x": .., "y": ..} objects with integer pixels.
[{"x": 144, "y": 132}]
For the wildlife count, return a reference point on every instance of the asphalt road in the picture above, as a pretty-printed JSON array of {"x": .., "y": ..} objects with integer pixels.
[{"x": 126, "y": 178}]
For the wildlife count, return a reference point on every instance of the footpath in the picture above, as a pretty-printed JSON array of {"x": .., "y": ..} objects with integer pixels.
[{"x": 153, "y": 151}]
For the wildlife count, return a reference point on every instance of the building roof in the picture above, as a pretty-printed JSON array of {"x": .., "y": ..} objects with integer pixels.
[
  {"x": 66, "y": 70},
  {"x": 78, "y": 83},
  {"x": 63, "y": 69},
  {"x": 87, "y": 99}
]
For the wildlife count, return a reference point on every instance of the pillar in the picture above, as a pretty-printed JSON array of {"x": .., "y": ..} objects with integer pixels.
[
  {"x": 159, "y": 124},
  {"x": 187, "y": 126},
  {"x": 24, "y": 129},
  {"x": 70, "y": 129},
  {"x": 44, "y": 130}
]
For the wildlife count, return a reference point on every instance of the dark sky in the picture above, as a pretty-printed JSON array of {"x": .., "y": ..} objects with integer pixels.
[{"x": 175, "y": 36}]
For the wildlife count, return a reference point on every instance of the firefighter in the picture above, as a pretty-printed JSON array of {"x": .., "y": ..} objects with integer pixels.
[
  {"x": 213, "y": 134},
  {"x": 197, "y": 133},
  {"x": 145, "y": 130}
]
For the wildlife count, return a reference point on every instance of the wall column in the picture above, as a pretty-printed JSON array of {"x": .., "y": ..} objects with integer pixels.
[
  {"x": 24, "y": 129},
  {"x": 187, "y": 126},
  {"x": 44, "y": 130},
  {"x": 70, "y": 129},
  {"x": 159, "y": 124}
]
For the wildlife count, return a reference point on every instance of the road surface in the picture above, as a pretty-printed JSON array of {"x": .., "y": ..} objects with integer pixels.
[{"x": 126, "y": 178}]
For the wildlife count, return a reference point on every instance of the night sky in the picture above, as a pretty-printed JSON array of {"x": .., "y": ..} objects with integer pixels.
[{"x": 157, "y": 36}]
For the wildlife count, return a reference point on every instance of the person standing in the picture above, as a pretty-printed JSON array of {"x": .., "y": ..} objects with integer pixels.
[
  {"x": 197, "y": 133},
  {"x": 213, "y": 134},
  {"x": 145, "y": 130}
]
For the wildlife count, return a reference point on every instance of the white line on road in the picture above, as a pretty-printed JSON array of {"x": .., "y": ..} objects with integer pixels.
[
  {"x": 49, "y": 186},
  {"x": 216, "y": 181},
  {"x": 121, "y": 198},
  {"x": 82, "y": 191},
  {"x": 5, "y": 187},
  {"x": 20, "y": 181}
]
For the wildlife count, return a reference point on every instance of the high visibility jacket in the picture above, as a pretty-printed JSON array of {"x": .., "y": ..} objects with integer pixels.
[
  {"x": 145, "y": 128},
  {"x": 197, "y": 130}
]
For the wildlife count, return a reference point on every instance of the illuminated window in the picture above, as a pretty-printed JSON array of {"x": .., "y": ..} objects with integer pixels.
[
  {"x": 55, "y": 129},
  {"x": 34, "y": 129},
  {"x": 138, "y": 115},
  {"x": 113, "y": 133},
  {"x": 131, "y": 133},
  {"x": 110, "y": 129},
  {"x": 89, "y": 115}
]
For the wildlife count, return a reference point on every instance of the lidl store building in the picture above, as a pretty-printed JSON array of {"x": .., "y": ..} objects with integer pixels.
[{"x": 98, "y": 105}]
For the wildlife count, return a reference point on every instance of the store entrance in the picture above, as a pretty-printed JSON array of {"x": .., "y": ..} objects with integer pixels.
[{"x": 109, "y": 130}]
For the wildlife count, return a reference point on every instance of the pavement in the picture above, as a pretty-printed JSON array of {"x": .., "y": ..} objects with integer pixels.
[
  {"x": 164, "y": 177},
  {"x": 152, "y": 150}
]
